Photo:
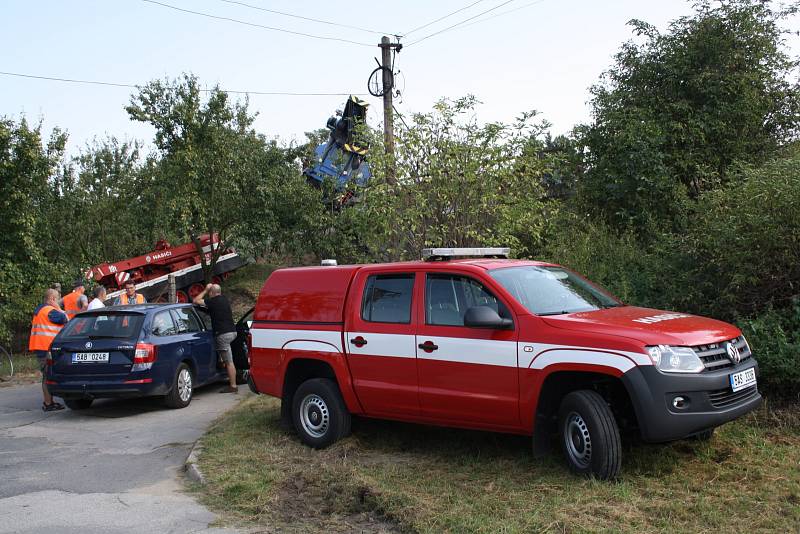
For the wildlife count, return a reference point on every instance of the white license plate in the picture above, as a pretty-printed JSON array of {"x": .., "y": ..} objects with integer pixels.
[
  {"x": 90, "y": 357},
  {"x": 743, "y": 379}
]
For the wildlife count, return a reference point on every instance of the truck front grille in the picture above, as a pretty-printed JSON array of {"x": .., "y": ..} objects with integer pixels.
[
  {"x": 715, "y": 357},
  {"x": 722, "y": 398}
]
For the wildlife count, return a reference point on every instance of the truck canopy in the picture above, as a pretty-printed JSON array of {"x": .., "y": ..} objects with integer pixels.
[{"x": 305, "y": 295}]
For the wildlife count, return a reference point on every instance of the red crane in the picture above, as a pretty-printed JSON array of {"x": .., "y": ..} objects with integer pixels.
[{"x": 150, "y": 271}]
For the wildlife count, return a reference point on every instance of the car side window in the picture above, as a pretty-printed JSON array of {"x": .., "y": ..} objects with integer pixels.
[
  {"x": 448, "y": 297},
  {"x": 387, "y": 298},
  {"x": 163, "y": 325},
  {"x": 186, "y": 321},
  {"x": 205, "y": 317}
]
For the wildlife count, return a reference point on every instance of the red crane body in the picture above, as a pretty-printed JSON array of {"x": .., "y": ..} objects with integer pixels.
[{"x": 150, "y": 271}]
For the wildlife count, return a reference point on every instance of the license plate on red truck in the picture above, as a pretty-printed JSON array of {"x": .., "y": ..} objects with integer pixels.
[{"x": 743, "y": 379}]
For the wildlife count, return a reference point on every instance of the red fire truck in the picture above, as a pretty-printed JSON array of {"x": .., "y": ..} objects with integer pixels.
[
  {"x": 150, "y": 271},
  {"x": 495, "y": 344}
]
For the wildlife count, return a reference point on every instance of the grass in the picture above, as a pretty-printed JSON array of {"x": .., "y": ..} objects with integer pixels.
[
  {"x": 399, "y": 477},
  {"x": 26, "y": 369}
]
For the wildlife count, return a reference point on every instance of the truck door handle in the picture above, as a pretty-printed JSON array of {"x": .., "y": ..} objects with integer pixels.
[
  {"x": 358, "y": 341},
  {"x": 428, "y": 346}
]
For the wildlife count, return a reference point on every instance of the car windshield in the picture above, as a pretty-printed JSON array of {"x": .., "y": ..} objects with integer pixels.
[
  {"x": 106, "y": 325},
  {"x": 552, "y": 290}
]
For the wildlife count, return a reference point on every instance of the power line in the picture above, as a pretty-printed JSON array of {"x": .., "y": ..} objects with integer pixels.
[
  {"x": 442, "y": 18},
  {"x": 454, "y": 25},
  {"x": 254, "y": 25},
  {"x": 305, "y": 18},
  {"x": 133, "y": 86},
  {"x": 503, "y": 13}
]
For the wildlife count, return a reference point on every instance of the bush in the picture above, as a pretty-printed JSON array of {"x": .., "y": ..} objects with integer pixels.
[{"x": 774, "y": 337}]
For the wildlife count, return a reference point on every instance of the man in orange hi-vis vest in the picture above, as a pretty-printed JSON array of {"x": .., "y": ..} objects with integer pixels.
[
  {"x": 76, "y": 301},
  {"x": 130, "y": 296},
  {"x": 48, "y": 319}
]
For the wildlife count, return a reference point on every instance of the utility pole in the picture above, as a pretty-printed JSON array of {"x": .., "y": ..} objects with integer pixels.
[{"x": 388, "y": 117}]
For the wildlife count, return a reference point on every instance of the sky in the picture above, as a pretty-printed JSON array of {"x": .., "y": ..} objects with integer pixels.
[{"x": 543, "y": 56}]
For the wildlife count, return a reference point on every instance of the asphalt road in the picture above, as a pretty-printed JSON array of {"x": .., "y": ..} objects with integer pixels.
[{"x": 112, "y": 468}]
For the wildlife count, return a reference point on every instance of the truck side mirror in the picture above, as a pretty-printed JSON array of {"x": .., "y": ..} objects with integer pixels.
[{"x": 485, "y": 317}]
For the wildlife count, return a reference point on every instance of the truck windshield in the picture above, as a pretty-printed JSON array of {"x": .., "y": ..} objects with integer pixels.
[
  {"x": 552, "y": 290},
  {"x": 106, "y": 325}
]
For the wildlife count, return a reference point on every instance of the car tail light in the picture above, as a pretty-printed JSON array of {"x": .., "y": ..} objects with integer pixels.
[{"x": 144, "y": 357}]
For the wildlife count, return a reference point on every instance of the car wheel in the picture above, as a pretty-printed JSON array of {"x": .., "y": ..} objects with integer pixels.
[
  {"x": 78, "y": 404},
  {"x": 182, "y": 388},
  {"x": 705, "y": 435},
  {"x": 319, "y": 413},
  {"x": 590, "y": 435}
]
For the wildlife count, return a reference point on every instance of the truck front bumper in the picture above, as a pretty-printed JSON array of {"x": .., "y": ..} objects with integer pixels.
[{"x": 709, "y": 400}]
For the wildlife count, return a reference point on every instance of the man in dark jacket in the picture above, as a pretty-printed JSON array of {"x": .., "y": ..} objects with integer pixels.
[{"x": 224, "y": 329}]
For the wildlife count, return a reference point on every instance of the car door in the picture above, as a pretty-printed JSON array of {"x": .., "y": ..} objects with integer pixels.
[
  {"x": 199, "y": 341},
  {"x": 466, "y": 374},
  {"x": 170, "y": 350},
  {"x": 380, "y": 342}
]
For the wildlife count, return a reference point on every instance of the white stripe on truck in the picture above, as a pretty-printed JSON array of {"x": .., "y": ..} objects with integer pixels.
[{"x": 526, "y": 355}]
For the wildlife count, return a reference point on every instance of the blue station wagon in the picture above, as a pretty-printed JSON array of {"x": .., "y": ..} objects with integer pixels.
[{"x": 134, "y": 351}]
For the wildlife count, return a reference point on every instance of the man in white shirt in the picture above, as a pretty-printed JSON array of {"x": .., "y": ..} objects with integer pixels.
[{"x": 99, "y": 297}]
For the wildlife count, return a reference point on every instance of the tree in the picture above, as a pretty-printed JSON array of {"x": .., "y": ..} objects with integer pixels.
[
  {"x": 459, "y": 183},
  {"x": 678, "y": 111},
  {"x": 209, "y": 156},
  {"x": 27, "y": 167}
]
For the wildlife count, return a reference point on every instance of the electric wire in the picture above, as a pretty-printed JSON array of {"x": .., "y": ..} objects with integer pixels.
[
  {"x": 498, "y": 6},
  {"x": 255, "y": 25},
  {"x": 441, "y": 18},
  {"x": 133, "y": 86},
  {"x": 306, "y": 18},
  {"x": 501, "y": 14}
]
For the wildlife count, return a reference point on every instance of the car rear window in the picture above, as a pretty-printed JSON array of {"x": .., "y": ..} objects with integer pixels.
[
  {"x": 387, "y": 298},
  {"x": 107, "y": 325}
]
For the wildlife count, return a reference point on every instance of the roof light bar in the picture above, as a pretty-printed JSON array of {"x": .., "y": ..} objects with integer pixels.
[{"x": 432, "y": 254}]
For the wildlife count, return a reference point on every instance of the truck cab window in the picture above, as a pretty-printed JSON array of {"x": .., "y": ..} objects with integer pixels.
[
  {"x": 448, "y": 297},
  {"x": 387, "y": 298}
]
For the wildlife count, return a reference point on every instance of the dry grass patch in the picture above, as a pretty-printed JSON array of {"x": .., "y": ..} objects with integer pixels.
[
  {"x": 26, "y": 370},
  {"x": 399, "y": 477}
]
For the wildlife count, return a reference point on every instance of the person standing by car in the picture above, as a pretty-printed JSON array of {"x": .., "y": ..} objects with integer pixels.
[
  {"x": 224, "y": 329},
  {"x": 48, "y": 320},
  {"x": 76, "y": 301},
  {"x": 99, "y": 297},
  {"x": 130, "y": 296}
]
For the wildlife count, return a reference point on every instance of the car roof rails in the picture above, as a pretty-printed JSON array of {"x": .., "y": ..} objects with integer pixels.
[{"x": 445, "y": 254}]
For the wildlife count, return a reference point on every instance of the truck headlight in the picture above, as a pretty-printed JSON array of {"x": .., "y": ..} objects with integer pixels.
[{"x": 675, "y": 359}]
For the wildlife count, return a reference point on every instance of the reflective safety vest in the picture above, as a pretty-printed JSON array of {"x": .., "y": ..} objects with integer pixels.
[
  {"x": 71, "y": 306},
  {"x": 124, "y": 300},
  {"x": 43, "y": 330}
]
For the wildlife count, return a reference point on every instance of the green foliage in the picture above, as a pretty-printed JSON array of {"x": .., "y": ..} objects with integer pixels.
[
  {"x": 459, "y": 183},
  {"x": 775, "y": 339},
  {"x": 677, "y": 111},
  {"x": 209, "y": 157},
  {"x": 26, "y": 232}
]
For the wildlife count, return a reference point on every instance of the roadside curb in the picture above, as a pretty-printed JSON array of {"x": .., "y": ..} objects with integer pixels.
[{"x": 191, "y": 466}]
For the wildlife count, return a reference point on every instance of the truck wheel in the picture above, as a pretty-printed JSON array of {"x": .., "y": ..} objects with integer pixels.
[
  {"x": 78, "y": 404},
  {"x": 589, "y": 435},
  {"x": 319, "y": 413},
  {"x": 182, "y": 388}
]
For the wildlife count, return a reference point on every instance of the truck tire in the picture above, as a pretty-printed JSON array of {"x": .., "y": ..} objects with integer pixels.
[
  {"x": 319, "y": 414},
  {"x": 589, "y": 435},
  {"x": 182, "y": 388},
  {"x": 78, "y": 404}
]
